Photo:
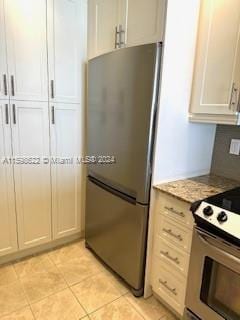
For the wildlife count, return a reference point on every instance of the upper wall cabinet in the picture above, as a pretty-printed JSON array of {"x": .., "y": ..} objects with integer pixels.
[
  {"x": 3, "y": 57},
  {"x": 103, "y": 19},
  {"x": 144, "y": 21},
  {"x": 25, "y": 23},
  {"x": 216, "y": 82},
  {"x": 113, "y": 24},
  {"x": 66, "y": 36}
]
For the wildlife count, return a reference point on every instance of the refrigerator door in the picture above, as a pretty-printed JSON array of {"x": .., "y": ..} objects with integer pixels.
[
  {"x": 122, "y": 99},
  {"x": 116, "y": 230}
]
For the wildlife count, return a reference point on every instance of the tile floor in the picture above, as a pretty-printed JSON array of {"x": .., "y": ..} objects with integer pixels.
[{"x": 69, "y": 283}]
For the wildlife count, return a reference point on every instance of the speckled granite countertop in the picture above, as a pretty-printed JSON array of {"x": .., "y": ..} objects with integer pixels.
[{"x": 197, "y": 188}]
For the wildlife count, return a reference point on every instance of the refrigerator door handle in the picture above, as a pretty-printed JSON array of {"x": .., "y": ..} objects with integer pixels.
[{"x": 113, "y": 191}]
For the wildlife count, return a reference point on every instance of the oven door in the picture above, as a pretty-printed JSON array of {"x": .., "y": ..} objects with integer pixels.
[{"x": 213, "y": 291}]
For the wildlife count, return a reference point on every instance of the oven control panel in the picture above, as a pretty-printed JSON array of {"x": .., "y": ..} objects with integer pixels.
[{"x": 222, "y": 219}]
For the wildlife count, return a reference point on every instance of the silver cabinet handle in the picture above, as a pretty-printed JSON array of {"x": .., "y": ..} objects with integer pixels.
[
  {"x": 121, "y": 36},
  {"x": 167, "y": 255},
  {"x": 5, "y": 84},
  {"x": 14, "y": 114},
  {"x": 116, "y": 38},
  {"x": 12, "y": 86},
  {"x": 6, "y": 114},
  {"x": 52, "y": 88},
  {"x": 165, "y": 284},
  {"x": 179, "y": 213},
  {"x": 171, "y": 233},
  {"x": 53, "y": 114}
]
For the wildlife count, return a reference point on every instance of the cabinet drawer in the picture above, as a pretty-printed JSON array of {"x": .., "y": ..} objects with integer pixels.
[
  {"x": 167, "y": 286},
  {"x": 175, "y": 209},
  {"x": 170, "y": 230},
  {"x": 172, "y": 256}
]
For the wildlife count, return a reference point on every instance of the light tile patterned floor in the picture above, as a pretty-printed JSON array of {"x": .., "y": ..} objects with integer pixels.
[{"x": 69, "y": 283}]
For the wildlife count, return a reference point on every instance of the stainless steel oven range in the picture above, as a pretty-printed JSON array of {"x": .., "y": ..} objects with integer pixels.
[{"x": 213, "y": 290}]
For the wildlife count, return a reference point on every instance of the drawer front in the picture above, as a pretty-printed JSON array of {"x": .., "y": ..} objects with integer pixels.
[
  {"x": 175, "y": 209},
  {"x": 171, "y": 231},
  {"x": 167, "y": 286},
  {"x": 170, "y": 255}
]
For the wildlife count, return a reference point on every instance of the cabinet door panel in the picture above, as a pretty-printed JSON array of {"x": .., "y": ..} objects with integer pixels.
[
  {"x": 103, "y": 18},
  {"x": 27, "y": 48},
  {"x": 32, "y": 181},
  {"x": 217, "y": 58},
  {"x": 66, "y": 178},
  {"x": 3, "y": 57},
  {"x": 8, "y": 231},
  {"x": 145, "y": 21},
  {"x": 67, "y": 43}
]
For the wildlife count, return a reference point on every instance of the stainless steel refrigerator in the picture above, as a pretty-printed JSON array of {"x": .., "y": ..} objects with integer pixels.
[{"x": 122, "y": 103}]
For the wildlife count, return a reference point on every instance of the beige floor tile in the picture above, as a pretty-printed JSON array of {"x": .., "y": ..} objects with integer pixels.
[
  {"x": 69, "y": 252},
  {"x": 120, "y": 309},
  {"x": 95, "y": 292},
  {"x": 12, "y": 298},
  {"x": 76, "y": 270},
  {"x": 169, "y": 316},
  {"x": 149, "y": 308},
  {"x": 60, "y": 306},
  {"x": 33, "y": 265},
  {"x": 23, "y": 314},
  {"x": 117, "y": 282},
  {"x": 43, "y": 284},
  {"x": 7, "y": 275}
]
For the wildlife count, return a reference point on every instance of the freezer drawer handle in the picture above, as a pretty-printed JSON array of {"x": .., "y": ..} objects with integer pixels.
[
  {"x": 167, "y": 255},
  {"x": 171, "y": 233},
  {"x": 179, "y": 213},
  {"x": 165, "y": 284}
]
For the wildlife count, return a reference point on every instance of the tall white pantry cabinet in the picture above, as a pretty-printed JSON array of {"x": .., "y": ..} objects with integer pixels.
[{"x": 43, "y": 50}]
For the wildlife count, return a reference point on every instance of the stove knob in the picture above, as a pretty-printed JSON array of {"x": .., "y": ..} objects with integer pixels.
[
  {"x": 222, "y": 217},
  {"x": 208, "y": 211}
]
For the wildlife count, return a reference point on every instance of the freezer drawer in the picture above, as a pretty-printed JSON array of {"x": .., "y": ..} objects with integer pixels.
[{"x": 116, "y": 230}]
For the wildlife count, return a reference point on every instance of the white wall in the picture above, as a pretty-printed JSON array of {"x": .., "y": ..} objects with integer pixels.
[{"x": 182, "y": 149}]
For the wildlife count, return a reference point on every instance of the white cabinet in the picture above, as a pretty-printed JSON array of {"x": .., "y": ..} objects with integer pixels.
[
  {"x": 30, "y": 134},
  {"x": 172, "y": 238},
  {"x": 27, "y": 49},
  {"x": 66, "y": 143},
  {"x": 114, "y": 24},
  {"x": 67, "y": 35},
  {"x": 216, "y": 82},
  {"x": 144, "y": 21},
  {"x": 103, "y": 18},
  {"x": 8, "y": 233},
  {"x": 3, "y": 57}
]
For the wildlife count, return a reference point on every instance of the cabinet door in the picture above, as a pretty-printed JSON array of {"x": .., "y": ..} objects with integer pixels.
[
  {"x": 3, "y": 57},
  {"x": 30, "y": 132},
  {"x": 216, "y": 81},
  {"x": 103, "y": 18},
  {"x": 67, "y": 46},
  {"x": 8, "y": 231},
  {"x": 66, "y": 176},
  {"x": 144, "y": 21},
  {"x": 27, "y": 49}
]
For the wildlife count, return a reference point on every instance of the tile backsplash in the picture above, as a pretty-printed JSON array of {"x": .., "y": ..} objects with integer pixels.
[{"x": 223, "y": 163}]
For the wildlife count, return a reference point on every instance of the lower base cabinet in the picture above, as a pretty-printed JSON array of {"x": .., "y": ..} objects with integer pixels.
[
  {"x": 8, "y": 227},
  {"x": 171, "y": 250},
  {"x": 41, "y": 175},
  {"x": 67, "y": 177}
]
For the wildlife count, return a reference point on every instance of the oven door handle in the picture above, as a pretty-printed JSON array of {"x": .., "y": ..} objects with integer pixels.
[{"x": 204, "y": 238}]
